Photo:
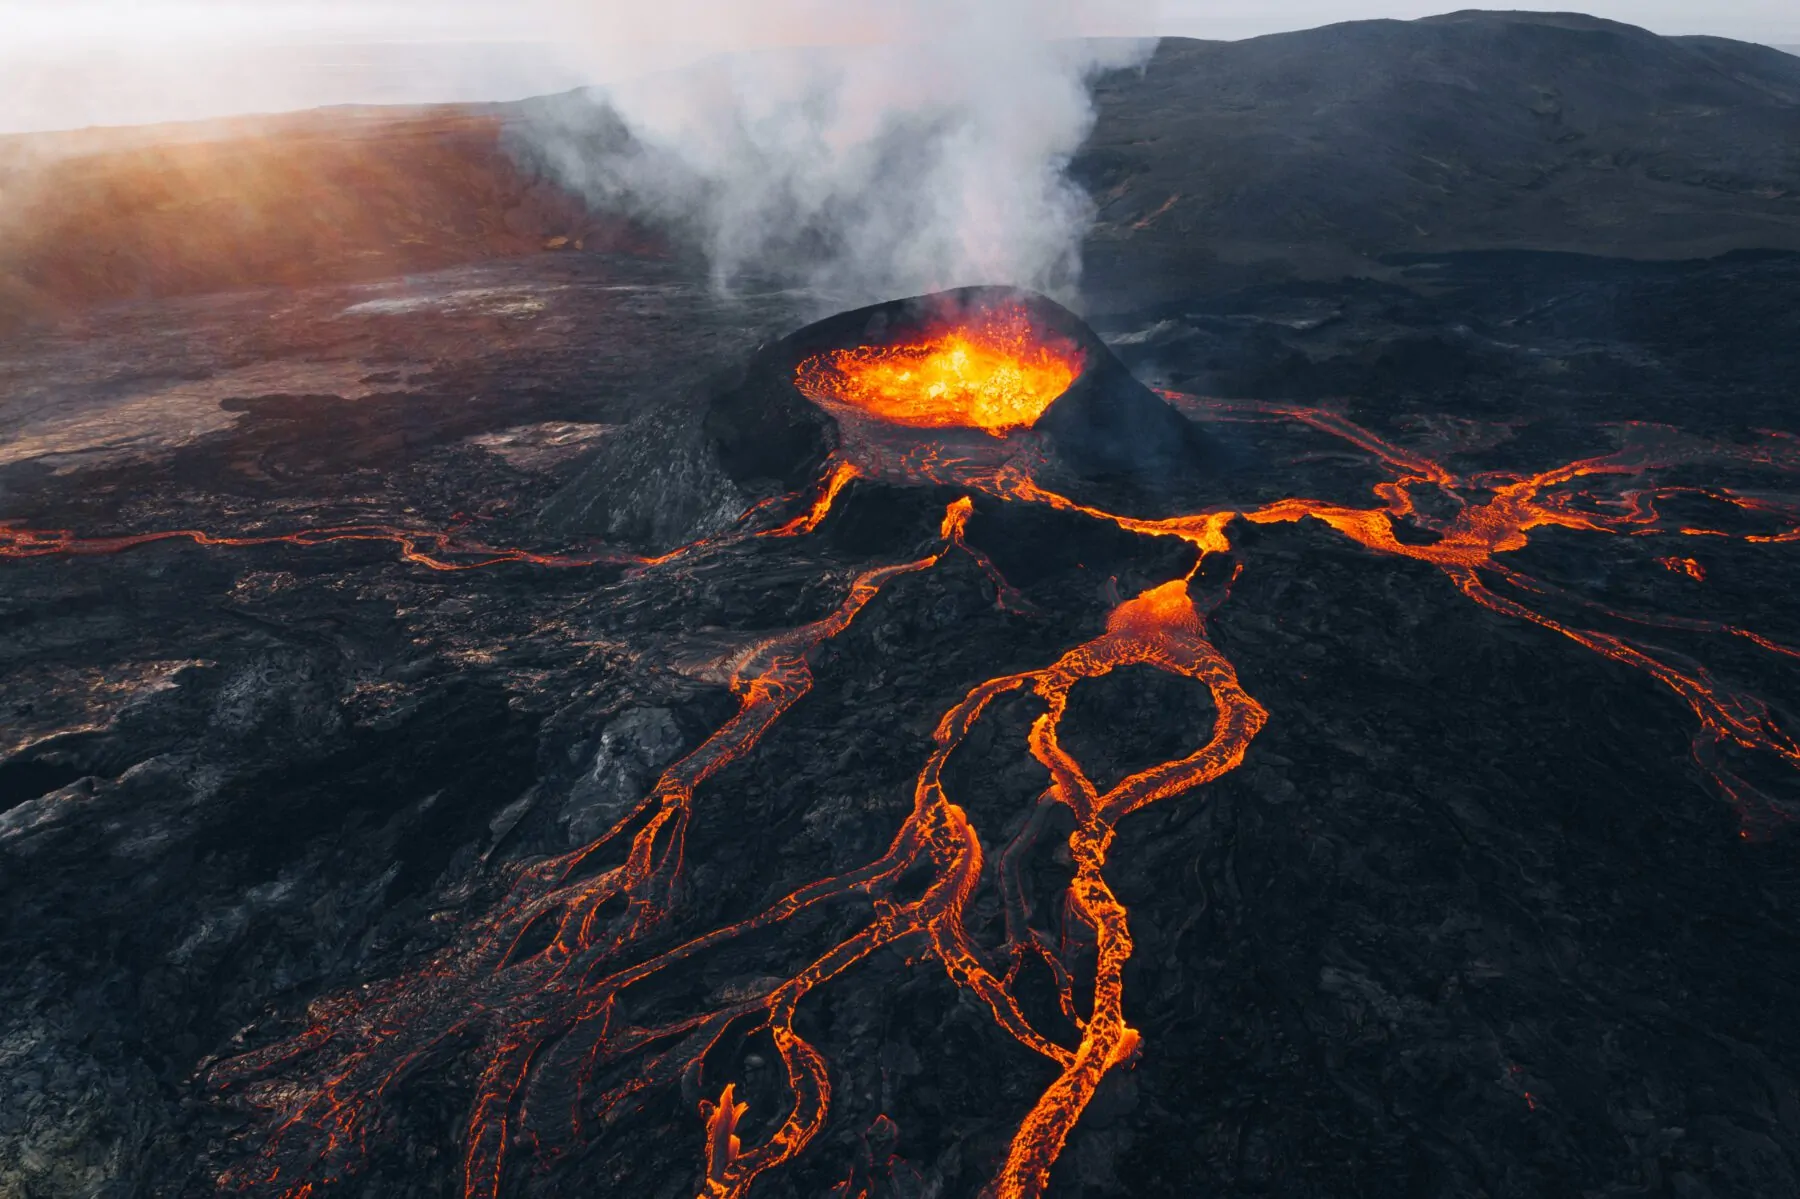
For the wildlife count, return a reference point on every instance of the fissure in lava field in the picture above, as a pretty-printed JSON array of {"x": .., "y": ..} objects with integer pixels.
[{"x": 988, "y": 404}]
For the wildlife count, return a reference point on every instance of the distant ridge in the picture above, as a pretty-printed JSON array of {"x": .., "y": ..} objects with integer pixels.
[{"x": 1330, "y": 151}]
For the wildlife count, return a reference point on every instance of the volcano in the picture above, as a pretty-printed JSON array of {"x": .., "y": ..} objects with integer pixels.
[
  {"x": 540, "y": 728},
  {"x": 975, "y": 471},
  {"x": 1019, "y": 377},
  {"x": 1002, "y": 361}
]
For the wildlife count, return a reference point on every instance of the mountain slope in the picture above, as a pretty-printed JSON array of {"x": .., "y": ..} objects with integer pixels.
[
  {"x": 1313, "y": 153},
  {"x": 1324, "y": 150},
  {"x": 348, "y": 193}
]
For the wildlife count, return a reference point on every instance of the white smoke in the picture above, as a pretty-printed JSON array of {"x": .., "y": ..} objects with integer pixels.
[{"x": 914, "y": 145}]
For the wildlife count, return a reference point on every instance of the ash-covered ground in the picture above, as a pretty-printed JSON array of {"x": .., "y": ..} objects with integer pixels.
[{"x": 1469, "y": 919}]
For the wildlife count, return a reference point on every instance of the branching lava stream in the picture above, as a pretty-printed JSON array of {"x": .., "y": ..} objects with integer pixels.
[{"x": 531, "y": 992}]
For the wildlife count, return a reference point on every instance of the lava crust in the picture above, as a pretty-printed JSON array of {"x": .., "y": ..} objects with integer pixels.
[{"x": 893, "y": 810}]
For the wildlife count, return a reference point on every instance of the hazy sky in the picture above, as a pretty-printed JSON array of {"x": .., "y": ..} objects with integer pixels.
[
  {"x": 65, "y": 21},
  {"x": 69, "y": 63}
]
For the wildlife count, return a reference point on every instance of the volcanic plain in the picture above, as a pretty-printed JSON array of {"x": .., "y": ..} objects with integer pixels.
[{"x": 479, "y": 716}]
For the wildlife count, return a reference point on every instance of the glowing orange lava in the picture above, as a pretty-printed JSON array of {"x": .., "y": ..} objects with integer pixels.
[
  {"x": 1494, "y": 514},
  {"x": 437, "y": 550},
  {"x": 433, "y": 550},
  {"x": 534, "y": 988},
  {"x": 995, "y": 372}
]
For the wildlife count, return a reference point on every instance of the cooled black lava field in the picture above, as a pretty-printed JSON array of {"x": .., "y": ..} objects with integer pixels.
[{"x": 326, "y": 854}]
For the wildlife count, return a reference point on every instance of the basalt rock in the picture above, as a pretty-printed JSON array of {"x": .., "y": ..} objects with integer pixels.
[
  {"x": 653, "y": 485},
  {"x": 765, "y": 433}
]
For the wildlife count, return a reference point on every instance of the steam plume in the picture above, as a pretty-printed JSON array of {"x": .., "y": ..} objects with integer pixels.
[{"x": 922, "y": 147}]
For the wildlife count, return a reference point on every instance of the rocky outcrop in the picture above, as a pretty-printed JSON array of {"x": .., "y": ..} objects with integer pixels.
[
  {"x": 633, "y": 748},
  {"x": 655, "y": 484}
]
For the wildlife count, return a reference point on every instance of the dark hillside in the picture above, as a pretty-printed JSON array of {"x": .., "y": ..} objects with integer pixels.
[
  {"x": 1321, "y": 152},
  {"x": 1303, "y": 154}
]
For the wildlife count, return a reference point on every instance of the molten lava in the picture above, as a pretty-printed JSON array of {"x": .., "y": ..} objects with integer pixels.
[
  {"x": 995, "y": 372},
  {"x": 556, "y": 1055},
  {"x": 443, "y": 551},
  {"x": 440, "y": 551}
]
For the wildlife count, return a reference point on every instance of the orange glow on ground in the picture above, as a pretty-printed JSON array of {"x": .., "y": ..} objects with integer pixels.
[
  {"x": 994, "y": 373},
  {"x": 439, "y": 550},
  {"x": 559, "y": 1062},
  {"x": 434, "y": 550}
]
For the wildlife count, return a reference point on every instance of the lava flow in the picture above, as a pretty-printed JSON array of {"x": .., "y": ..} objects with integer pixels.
[
  {"x": 443, "y": 551},
  {"x": 535, "y": 994},
  {"x": 1494, "y": 513},
  {"x": 545, "y": 1018},
  {"x": 1684, "y": 566},
  {"x": 440, "y": 551},
  {"x": 993, "y": 372}
]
